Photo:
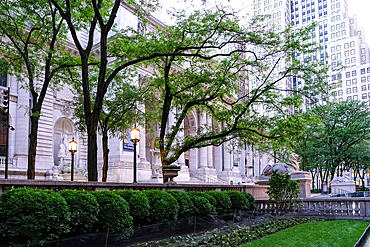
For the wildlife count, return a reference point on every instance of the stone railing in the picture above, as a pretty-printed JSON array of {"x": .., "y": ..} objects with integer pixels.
[{"x": 353, "y": 208}]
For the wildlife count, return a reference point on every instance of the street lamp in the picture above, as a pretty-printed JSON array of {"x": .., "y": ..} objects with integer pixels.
[
  {"x": 135, "y": 138},
  {"x": 72, "y": 149}
]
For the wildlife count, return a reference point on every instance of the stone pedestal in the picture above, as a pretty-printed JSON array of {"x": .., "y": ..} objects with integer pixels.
[
  {"x": 343, "y": 187},
  {"x": 183, "y": 175},
  {"x": 304, "y": 182}
]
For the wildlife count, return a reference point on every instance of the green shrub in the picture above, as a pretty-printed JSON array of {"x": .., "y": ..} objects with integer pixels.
[
  {"x": 33, "y": 215},
  {"x": 239, "y": 200},
  {"x": 250, "y": 200},
  {"x": 139, "y": 205},
  {"x": 114, "y": 211},
  {"x": 201, "y": 203},
  {"x": 283, "y": 191},
  {"x": 83, "y": 210},
  {"x": 163, "y": 206},
  {"x": 223, "y": 203},
  {"x": 186, "y": 206}
]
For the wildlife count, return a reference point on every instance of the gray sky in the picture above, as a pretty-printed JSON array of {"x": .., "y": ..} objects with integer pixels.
[{"x": 360, "y": 8}]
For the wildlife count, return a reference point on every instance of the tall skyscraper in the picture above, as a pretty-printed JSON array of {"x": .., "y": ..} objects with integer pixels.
[{"x": 343, "y": 43}]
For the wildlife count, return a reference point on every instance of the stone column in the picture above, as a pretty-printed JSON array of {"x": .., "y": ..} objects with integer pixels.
[
  {"x": 218, "y": 158},
  {"x": 227, "y": 158},
  {"x": 142, "y": 145},
  {"x": 202, "y": 151},
  {"x": 210, "y": 148},
  {"x": 193, "y": 160},
  {"x": 242, "y": 163},
  {"x": 181, "y": 159},
  {"x": 22, "y": 128}
]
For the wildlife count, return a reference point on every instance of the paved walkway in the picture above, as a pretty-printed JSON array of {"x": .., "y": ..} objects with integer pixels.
[{"x": 367, "y": 244}]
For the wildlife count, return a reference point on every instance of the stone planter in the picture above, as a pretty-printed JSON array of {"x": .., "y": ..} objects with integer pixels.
[{"x": 169, "y": 174}]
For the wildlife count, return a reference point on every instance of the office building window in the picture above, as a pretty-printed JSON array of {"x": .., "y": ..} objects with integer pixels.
[
  {"x": 363, "y": 58},
  {"x": 362, "y": 71},
  {"x": 349, "y": 98},
  {"x": 348, "y": 82},
  {"x": 355, "y": 97},
  {"x": 353, "y": 59},
  {"x": 368, "y": 78},
  {"x": 354, "y": 73},
  {"x": 348, "y": 90},
  {"x": 363, "y": 79},
  {"x": 364, "y": 96},
  {"x": 354, "y": 90},
  {"x": 368, "y": 70},
  {"x": 340, "y": 92},
  {"x": 354, "y": 81},
  {"x": 363, "y": 88},
  {"x": 348, "y": 74},
  {"x": 346, "y": 46}
]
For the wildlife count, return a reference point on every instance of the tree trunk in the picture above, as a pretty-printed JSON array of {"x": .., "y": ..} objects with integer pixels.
[
  {"x": 92, "y": 148},
  {"x": 105, "y": 154},
  {"x": 313, "y": 180},
  {"x": 32, "y": 147}
]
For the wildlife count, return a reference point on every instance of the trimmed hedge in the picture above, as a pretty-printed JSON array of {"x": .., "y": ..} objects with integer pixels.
[
  {"x": 33, "y": 215},
  {"x": 163, "y": 206},
  {"x": 138, "y": 203},
  {"x": 83, "y": 210},
  {"x": 186, "y": 206},
  {"x": 201, "y": 203},
  {"x": 223, "y": 203},
  {"x": 238, "y": 200},
  {"x": 114, "y": 212}
]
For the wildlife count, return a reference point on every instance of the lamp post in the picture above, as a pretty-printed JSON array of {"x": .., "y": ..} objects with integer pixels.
[
  {"x": 72, "y": 149},
  {"x": 135, "y": 138}
]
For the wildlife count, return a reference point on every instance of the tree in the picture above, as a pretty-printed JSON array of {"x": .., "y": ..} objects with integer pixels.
[
  {"x": 213, "y": 82},
  {"x": 339, "y": 138},
  {"x": 193, "y": 36},
  {"x": 30, "y": 43},
  {"x": 121, "y": 109}
]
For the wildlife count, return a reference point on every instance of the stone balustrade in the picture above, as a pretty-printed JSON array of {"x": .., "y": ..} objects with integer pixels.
[{"x": 351, "y": 208}]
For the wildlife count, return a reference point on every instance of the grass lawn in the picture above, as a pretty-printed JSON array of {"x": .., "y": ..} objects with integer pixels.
[{"x": 324, "y": 233}]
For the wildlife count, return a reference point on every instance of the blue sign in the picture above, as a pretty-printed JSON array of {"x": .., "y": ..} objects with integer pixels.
[{"x": 127, "y": 144}]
